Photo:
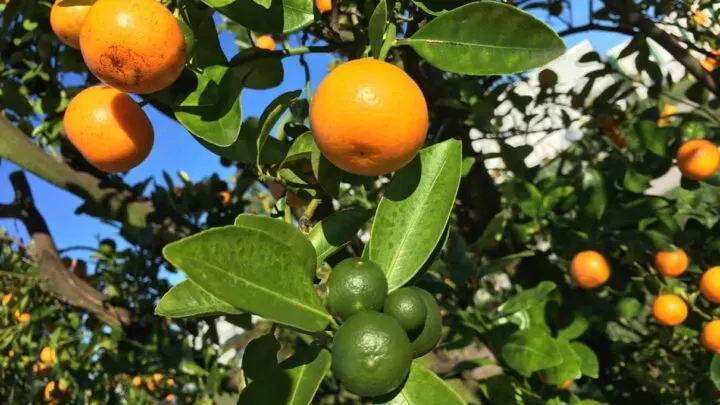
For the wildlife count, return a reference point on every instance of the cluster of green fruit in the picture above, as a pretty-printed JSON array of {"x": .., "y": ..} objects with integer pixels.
[{"x": 372, "y": 350}]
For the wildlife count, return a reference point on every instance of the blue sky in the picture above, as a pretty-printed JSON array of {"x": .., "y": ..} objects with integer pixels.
[{"x": 175, "y": 150}]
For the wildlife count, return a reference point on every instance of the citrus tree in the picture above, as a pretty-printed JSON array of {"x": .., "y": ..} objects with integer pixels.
[{"x": 363, "y": 245}]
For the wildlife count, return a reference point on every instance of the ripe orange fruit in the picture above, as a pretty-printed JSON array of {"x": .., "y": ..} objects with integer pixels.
[
  {"x": 669, "y": 310},
  {"x": 108, "y": 128},
  {"x": 323, "y": 5},
  {"x": 170, "y": 382},
  {"x": 565, "y": 385},
  {"x": 6, "y": 299},
  {"x": 49, "y": 388},
  {"x": 24, "y": 317},
  {"x": 137, "y": 381},
  {"x": 698, "y": 159},
  {"x": 67, "y": 18},
  {"x": 150, "y": 385},
  {"x": 710, "y": 284},
  {"x": 47, "y": 355},
  {"x": 671, "y": 263},
  {"x": 667, "y": 111},
  {"x": 700, "y": 17},
  {"x": 711, "y": 336},
  {"x": 170, "y": 397},
  {"x": 369, "y": 117},
  {"x": 224, "y": 197},
  {"x": 11, "y": 353},
  {"x": 710, "y": 62},
  {"x": 157, "y": 377},
  {"x": 133, "y": 45},
  {"x": 265, "y": 42},
  {"x": 589, "y": 269}
]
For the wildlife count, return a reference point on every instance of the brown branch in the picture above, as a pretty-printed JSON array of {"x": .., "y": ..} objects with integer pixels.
[
  {"x": 594, "y": 27},
  {"x": 54, "y": 277},
  {"x": 628, "y": 13},
  {"x": 151, "y": 226}
]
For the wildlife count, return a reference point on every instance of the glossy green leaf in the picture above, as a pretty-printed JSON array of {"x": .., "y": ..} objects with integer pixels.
[
  {"x": 241, "y": 266},
  {"x": 189, "y": 367},
  {"x": 526, "y": 299},
  {"x": 332, "y": 233},
  {"x": 301, "y": 148},
  {"x": 263, "y": 3},
  {"x": 594, "y": 194},
  {"x": 589, "y": 363},
  {"x": 635, "y": 181},
  {"x": 576, "y": 328},
  {"x": 257, "y": 68},
  {"x": 423, "y": 387},
  {"x": 555, "y": 196},
  {"x": 492, "y": 235},
  {"x": 326, "y": 173},
  {"x": 568, "y": 369},
  {"x": 211, "y": 111},
  {"x": 283, "y": 16},
  {"x": 293, "y": 382},
  {"x": 202, "y": 26},
  {"x": 629, "y": 307},
  {"x": 715, "y": 371},
  {"x": 502, "y": 262},
  {"x": 376, "y": 28},
  {"x": 531, "y": 350},
  {"x": 286, "y": 234},
  {"x": 486, "y": 38},
  {"x": 260, "y": 356},
  {"x": 188, "y": 299},
  {"x": 414, "y": 210},
  {"x": 272, "y": 114},
  {"x": 653, "y": 138},
  {"x": 244, "y": 149}
]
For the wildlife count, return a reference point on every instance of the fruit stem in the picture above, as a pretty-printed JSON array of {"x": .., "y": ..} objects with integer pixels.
[
  {"x": 310, "y": 210},
  {"x": 288, "y": 214}
]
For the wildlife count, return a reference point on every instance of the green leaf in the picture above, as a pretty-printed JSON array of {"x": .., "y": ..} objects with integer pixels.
[
  {"x": 423, "y": 387},
  {"x": 715, "y": 371},
  {"x": 328, "y": 176},
  {"x": 467, "y": 40},
  {"x": 502, "y": 262},
  {"x": 589, "y": 363},
  {"x": 528, "y": 198},
  {"x": 257, "y": 68},
  {"x": 492, "y": 235},
  {"x": 260, "y": 356},
  {"x": 376, "y": 28},
  {"x": 531, "y": 350},
  {"x": 501, "y": 390},
  {"x": 526, "y": 299},
  {"x": 412, "y": 215},
  {"x": 332, "y": 233},
  {"x": 286, "y": 234},
  {"x": 293, "y": 382},
  {"x": 555, "y": 196},
  {"x": 189, "y": 367},
  {"x": 188, "y": 299},
  {"x": 594, "y": 195},
  {"x": 211, "y": 111},
  {"x": 241, "y": 266},
  {"x": 568, "y": 369},
  {"x": 576, "y": 328},
  {"x": 635, "y": 181},
  {"x": 272, "y": 114},
  {"x": 200, "y": 22},
  {"x": 263, "y": 3},
  {"x": 629, "y": 307},
  {"x": 652, "y": 137},
  {"x": 301, "y": 148},
  {"x": 283, "y": 16},
  {"x": 244, "y": 149}
]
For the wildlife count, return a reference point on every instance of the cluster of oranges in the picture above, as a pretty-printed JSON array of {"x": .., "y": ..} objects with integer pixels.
[
  {"x": 133, "y": 46},
  {"x": 589, "y": 269},
  {"x": 151, "y": 383},
  {"x": 22, "y": 317}
]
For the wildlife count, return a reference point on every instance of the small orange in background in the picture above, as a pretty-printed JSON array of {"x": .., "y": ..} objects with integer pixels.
[
  {"x": 170, "y": 397},
  {"x": 49, "y": 388},
  {"x": 11, "y": 354},
  {"x": 67, "y": 18},
  {"x": 671, "y": 263},
  {"x": 565, "y": 385},
  {"x": 150, "y": 385},
  {"x": 700, "y": 17},
  {"x": 6, "y": 299},
  {"x": 710, "y": 62},
  {"x": 369, "y": 117},
  {"x": 24, "y": 317},
  {"x": 265, "y": 42},
  {"x": 157, "y": 377},
  {"x": 667, "y": 111},
  {"x": 323, "y": 5},
  {"x": 669, "y": 310},
  {"x": 47, "y": 355},
  {"x": 137, "y": 381},
  {"x": 133, "y": 45},
  {"x": 224, "y": 197},
  {"x": 108, "y": 128},
  {"x": 170, "y": 382},
  {"x": 698, "y": 159},
  {"x": 711, "y": 336},
  {"x": 710, "y": 284},
  {"x": 589, "y": 269}
]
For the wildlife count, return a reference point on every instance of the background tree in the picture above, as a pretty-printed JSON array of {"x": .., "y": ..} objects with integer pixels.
[{"x": 498, "y": 251}]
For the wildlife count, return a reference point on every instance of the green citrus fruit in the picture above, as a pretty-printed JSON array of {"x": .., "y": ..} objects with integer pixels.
[
  {"x": 407, "y": 306},
  {"x": 371, "y": 354},
  {"x": 355, "y": 285},
  {"x": 429, "y": 337}
]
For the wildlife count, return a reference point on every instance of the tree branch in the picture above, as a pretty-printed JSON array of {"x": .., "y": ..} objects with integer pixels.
[
  {"x": 54, "y": 277},
  {"x": 593, "y": 27},
  {"x": 628, "y": 13},
  {"x": 157, "y": 227}
]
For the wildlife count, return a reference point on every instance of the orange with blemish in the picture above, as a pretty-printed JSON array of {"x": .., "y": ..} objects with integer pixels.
[{"x": 133, "y": 45}]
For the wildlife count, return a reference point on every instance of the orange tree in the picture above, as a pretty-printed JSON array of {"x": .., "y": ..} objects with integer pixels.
[{"x": 390, "y": 266}]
